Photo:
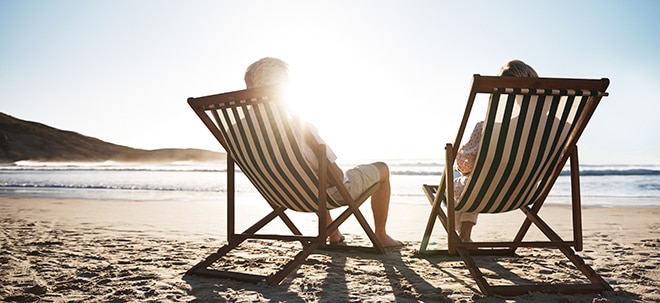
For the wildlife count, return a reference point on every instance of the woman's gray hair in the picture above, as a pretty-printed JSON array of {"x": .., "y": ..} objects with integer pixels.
[{"x": 517, "y": 68}]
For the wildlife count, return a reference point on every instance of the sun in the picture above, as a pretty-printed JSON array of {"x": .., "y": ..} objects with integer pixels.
[{"x": 354, "y": 99}]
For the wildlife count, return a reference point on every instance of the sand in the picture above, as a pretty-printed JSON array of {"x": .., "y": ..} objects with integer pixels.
[{"x": 72, "y": 250}]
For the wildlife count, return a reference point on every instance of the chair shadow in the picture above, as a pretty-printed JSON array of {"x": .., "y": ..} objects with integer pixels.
[
  {"x": 330, "y": 276},
  {"x": 492, "y": 268},
  {"x": 390, "y": 276},
  {"x": 400, "y": 275}
]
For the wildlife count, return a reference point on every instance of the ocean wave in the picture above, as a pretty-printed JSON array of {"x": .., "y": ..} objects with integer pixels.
[
  {"x": 114, "y": 166},
  {"x": 584, "y": 172},
  {"x": 415, "y": 173},
  {"x": 616, "y": 172},
  {"x": 401, "y": 168},
  {"x": 106, "y": 187}
]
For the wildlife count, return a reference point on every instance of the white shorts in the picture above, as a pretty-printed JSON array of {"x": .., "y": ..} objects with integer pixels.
[
  {"x": 357, "y": 180},
  {"x": 460, "y": 217}
]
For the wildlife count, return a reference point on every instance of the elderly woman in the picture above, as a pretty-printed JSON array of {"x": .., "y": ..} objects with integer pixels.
[{"x": 467, "y": 154}]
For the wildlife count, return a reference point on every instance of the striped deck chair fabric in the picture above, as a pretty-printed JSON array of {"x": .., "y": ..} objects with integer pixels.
[
  {"x": 530, "y": 131},
  {"x": 263, "y": 142},
  {"x": 262, "y": 139},
  {"x": 525, "y": 135}
]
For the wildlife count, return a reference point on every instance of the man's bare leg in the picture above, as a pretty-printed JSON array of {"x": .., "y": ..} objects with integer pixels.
[{"x": 380, "y": 204}]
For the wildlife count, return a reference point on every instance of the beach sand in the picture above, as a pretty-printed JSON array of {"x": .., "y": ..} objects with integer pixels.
[{"x": 72, "y": 250}]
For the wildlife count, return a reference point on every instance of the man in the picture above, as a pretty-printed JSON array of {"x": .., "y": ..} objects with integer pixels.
[{"x": 272, "y": 71}]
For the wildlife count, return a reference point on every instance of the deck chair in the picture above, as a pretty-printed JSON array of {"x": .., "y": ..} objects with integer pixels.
[
  {"x": 530, "y": 131},
  {"x": 260, "y": 138}
]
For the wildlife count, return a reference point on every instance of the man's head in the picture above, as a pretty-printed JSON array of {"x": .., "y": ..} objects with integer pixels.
[
  {"x": 266, "y": 71},
  {"x": 517, "y": 68}
]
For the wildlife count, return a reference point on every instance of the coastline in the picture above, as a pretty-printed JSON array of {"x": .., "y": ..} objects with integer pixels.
[{"x": 113, "y": 250}]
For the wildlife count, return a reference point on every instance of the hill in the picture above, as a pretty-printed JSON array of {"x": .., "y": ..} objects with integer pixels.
[{"x": 26, "y": 140}]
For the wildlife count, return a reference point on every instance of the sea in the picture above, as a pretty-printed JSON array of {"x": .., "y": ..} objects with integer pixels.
[{"x": 601, "y": 185}]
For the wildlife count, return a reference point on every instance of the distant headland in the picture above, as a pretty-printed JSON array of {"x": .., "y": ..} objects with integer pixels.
[{"x": 26, "y": 140}]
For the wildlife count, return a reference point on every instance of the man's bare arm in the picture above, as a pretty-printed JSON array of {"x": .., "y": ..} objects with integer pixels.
[{"x": 337, "y": 174}]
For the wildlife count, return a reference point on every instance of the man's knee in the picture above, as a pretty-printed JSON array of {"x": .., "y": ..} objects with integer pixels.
[{"x": 383, "y": 169}]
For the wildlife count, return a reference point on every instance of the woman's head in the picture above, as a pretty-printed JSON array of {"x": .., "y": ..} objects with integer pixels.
[
  {"x": 517, "y": 68},
  {"x": 266, "y": 71}
]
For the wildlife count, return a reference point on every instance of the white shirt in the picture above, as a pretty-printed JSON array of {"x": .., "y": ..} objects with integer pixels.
[{"x": 300, "y": 129}]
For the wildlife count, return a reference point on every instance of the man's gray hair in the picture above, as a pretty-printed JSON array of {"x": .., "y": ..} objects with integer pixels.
[{"x": 266, "y": 71}]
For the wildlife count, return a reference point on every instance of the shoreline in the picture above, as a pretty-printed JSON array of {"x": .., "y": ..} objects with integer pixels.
[
  {"x": 115, "y": 250},
  {"x": 141, "y": 195}
]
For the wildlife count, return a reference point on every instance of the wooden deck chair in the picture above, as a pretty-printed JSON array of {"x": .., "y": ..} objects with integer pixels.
[
  {"x": 530, "y": 132},
  {"x": 260, "y": 138}
]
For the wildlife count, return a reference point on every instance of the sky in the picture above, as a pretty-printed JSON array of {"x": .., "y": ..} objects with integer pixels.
[{"x": 381, "y": 80}]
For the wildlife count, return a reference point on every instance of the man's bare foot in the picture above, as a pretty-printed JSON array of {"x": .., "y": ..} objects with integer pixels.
[
  {"x": 387, "y": 241},
  {"x": 336, "y": 237}
]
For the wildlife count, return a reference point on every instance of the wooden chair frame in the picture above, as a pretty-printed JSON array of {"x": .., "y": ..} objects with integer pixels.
[
  {"x": 437, "y": 194},
  {"x": 325, "y": 178}
]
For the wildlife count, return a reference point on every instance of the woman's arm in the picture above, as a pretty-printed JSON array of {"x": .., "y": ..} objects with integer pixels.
[{"x": 467, "y": 155}]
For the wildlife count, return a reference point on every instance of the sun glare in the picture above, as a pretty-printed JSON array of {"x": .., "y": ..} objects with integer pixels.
[{"x": 350, "y": 94}]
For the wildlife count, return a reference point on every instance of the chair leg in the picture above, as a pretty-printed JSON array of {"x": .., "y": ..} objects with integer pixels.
[
  {"x": 436, "y": 195},
  {"x": 429, "y": 228},
  {"x": 354, "y": 210},
  {"x": 378, "y": 247},
  {"x": 294, "y": 263},
  {"x": 597, "y": 283},
  {"x": 476, "y": 273},
  {"x": 437, "y": 212},
  {"x": 575, "y": 198},
  {"x": 568, "y": 251},
  {"x": 287, "y": 221},
  {"x": 452, "y": 238},
  {"x": 210, "y": 259},
  {"x": 527, "y": 223},
  {"x": 465, "y": 251},
  {"x": 234, "y": 240},
  {"x": 589, "y": 272},
  {"x": 309, "y": 245}
]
